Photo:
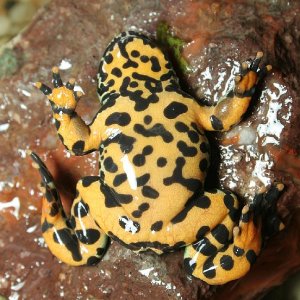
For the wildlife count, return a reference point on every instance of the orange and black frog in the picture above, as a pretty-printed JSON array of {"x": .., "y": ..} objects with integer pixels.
[{"x": 153, "y": 160}]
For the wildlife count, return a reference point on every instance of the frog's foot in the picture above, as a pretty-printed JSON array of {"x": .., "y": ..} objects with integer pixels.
[
  {"x": 265, "y": 208},
  {"x": 250, "y": 75},
  {"x": 218, "y": 265},
  {"x": 62, "y": 97},
  {"x": 77, "y": 240}
]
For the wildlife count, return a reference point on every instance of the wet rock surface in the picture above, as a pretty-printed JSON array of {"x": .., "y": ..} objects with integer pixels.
[{"x": 263, "y": 148}]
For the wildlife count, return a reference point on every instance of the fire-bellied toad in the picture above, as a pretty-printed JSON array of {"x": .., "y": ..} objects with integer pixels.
[{"x": 153, "y": 161}]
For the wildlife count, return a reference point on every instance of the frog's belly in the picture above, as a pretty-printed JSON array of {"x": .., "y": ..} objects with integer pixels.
[{"x": 147, "y": 187}]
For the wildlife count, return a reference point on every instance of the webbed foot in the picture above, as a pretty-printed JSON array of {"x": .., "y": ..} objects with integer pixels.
[{"x": 250, "y": 74}]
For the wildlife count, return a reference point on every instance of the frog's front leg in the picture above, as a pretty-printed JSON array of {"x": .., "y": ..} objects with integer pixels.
[
  {"x": 75, "y": 240},
  {"x": 77, "y": 137},
  {"x": 230, "y": 110}
]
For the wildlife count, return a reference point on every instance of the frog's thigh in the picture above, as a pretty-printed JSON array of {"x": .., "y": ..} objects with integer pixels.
[
  {"x": 215, "y": 209},
  {"x": 217, "y": 265},
  {"x": 77, "y": 240}
]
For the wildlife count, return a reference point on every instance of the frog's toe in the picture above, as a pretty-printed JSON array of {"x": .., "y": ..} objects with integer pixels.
[
  {"x": 57, "y": 82},
  {"x": 264, "y": 207},
  {"x": 47, "y": 178},
  {"x": 250, "y": 74},
  {"x": 46, "y": 90},
  {"x": 70, "y": 84},
  {"x": 256, "y": 61}
]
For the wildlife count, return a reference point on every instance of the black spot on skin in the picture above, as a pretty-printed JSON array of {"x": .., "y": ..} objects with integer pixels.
[
  {"x": 193, "y": 136},
  {"x": 189, "y": 265},
  {"x": 150, "y": 192},
  {"x": 177, "y": 246},
  {"x": 144, "y": 58},
  {"x": 118, "y": 118},
  {"x": 238, "y": 251},
  {"x": 100, "y": 252},
  {"x": 251, "y": 256},
  {"x": 111, "y": 199},
  {"x": 88, "y": 180},
  {"x": 139, "y": 160},
  {"x": 226, "y": 262},
  {"x": 46, "y": 226},
  {"x": 142, "y": 180},
  {"x": 142, "y": 100},
  {"x": 57, "y": 124},
  {"x": 144, "y": 245},
  {"x": 186, "y": 150},
  {"x": 49, "y": 196},
  {"x": 181, "y": 127},
  {"x": 93, "y": 260},
  {"x": 147, "y": 119},
  {"x": 202, "y": 232},
  {"x": 156, "y": 130},
  {"x": 155, "y": 64},
  {"x": 147, "y": 150},
  {"x": 88, "y": 236},
  {"x": 69, "y": 240},
  {"x": 204, "y": 147},
  {"x": 157, "y": 226},
  {"x": 203, "y": 164},
  {"x": 175, "y": 109},
  {"x": 190, "y": 183},
  {"x": 135, "y": 53},
  {"x": 229, "y": 201},
  {"x": 78, "y": 147},
  {"x": 213, "y": 191},
  {"x": 109, "y": 165},
  {"x": 137, "y": 213},
  {"x": 209, "y": 269},
  {"x": 161, "y": 162},
  {"x": 221, "y": 234},
  {"x": 81, "y": 209},
  {"x": 133, "y": 84},
  {"x": 116, "y": 72},
  {"x": 129, "y": 225},
  {"x": 216, "y": 123},
  {"x": 124, "y": 141},
  {"x": 144, "y": 206},
  {"x": 245, "y": 218},
  {"x": 234, "y": 215},
  {"x": 205, "y": 247},
  {"x": 203, "y": 202},
  {"x": 108, "y": 58},
  {"x": 54, "y": 209}
]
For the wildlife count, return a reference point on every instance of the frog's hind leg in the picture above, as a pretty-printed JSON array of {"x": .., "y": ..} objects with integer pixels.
[
  {"x": 215, "y": 263},
  {"x": 76, "y": 240},
  {"x": 218, "y": 265}
]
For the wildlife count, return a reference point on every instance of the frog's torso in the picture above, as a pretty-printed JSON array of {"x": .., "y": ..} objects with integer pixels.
[
  {"x": 152, "y": 166},
  {"x": 153, "y": 155}
]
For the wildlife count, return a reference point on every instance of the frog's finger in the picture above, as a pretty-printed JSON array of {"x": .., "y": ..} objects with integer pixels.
[
  {"x": 57, "y": 82},
  {"x": 255, "y": 63},
  {"x": 46, "y": 90},
  {"x": 70, "y": 84}
]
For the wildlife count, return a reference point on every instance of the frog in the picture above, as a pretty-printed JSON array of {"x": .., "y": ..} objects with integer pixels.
[{"x": 149, "y": 194}]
